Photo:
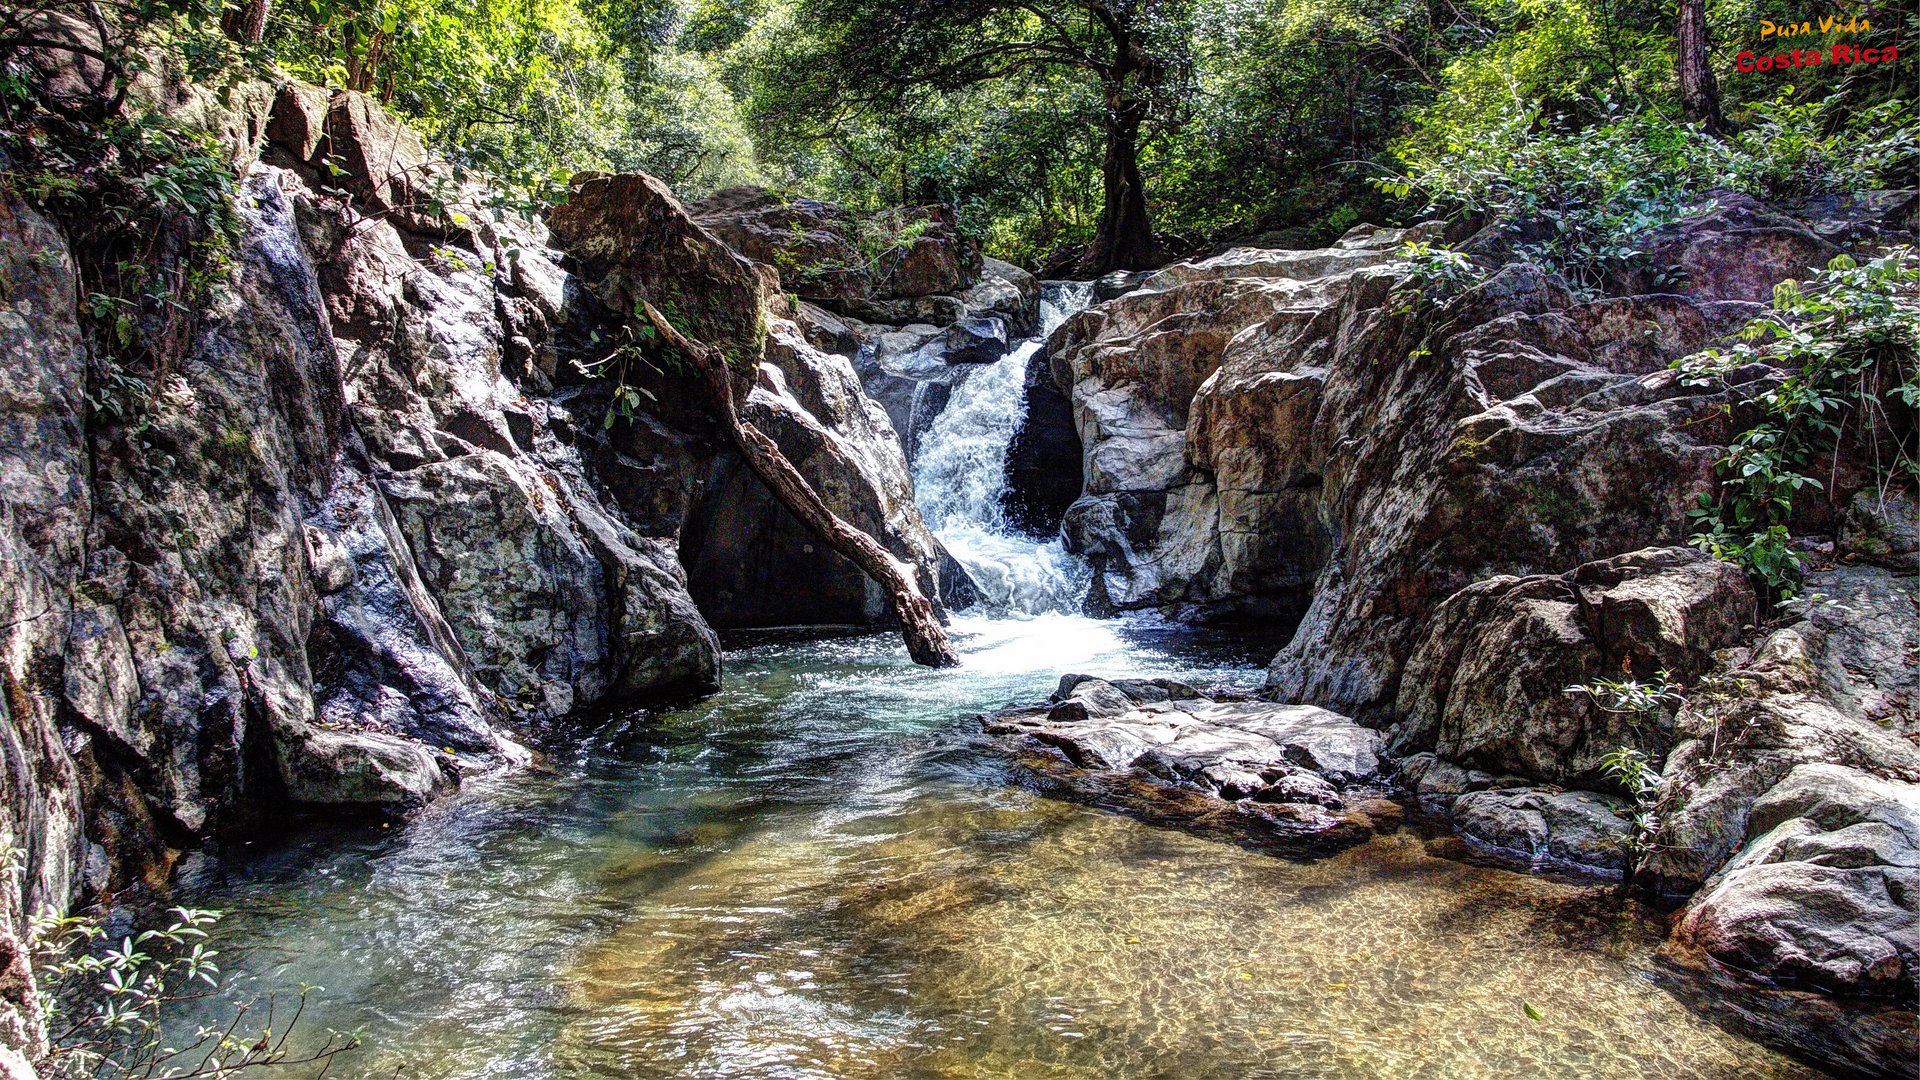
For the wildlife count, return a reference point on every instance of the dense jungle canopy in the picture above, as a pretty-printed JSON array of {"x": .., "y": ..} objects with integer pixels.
[{"x": 1142, "y": 127}]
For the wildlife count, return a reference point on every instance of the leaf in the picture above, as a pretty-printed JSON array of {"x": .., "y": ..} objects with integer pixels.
[{"x": 1532, "y": 1013}]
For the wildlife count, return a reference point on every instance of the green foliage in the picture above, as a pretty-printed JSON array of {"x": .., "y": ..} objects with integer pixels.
[
  {"x": 1847, "y": 341},
  {"x": 636, "y": 357},
  {"x": 1633, "y": 770},
  {"x": 113, "y": 1008},
  {"x": 1296, "y": 103},
  {"x": 1580, "y": 198},
  {"x": 146, "y": 201},
  {"x": 1434, "y": 273},
  {"x": 1647, "y": 707},
  {"x": 529, "y": 91},
  {"x": 1823, "y": 146}
]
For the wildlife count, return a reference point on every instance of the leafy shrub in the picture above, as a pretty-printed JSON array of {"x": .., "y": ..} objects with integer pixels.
[
  {"x": 111, "y": 1009},
  {"x": 1848, "y": 341},
  {"x": 1583, "y": 196}
]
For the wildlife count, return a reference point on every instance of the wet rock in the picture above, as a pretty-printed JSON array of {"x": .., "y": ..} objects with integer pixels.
[
  {"x": 1827, "y": 892},
  {"x": 1119, "y": 283},
  {"x": 1043, "y": 463},
  {"x": 1581, "y": 830},
  {"x": 1088, "y": 699},
  {"x": 1290, "y": 766},
  {"x": 366, "y": 769},
  {"x": 1007, "y": 291},
  {"x": 1439, "y": 781},
  {"x": 976, "y": 340}
]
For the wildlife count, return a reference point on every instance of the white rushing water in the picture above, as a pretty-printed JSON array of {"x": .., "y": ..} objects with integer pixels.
[{"x": 960, "y": 474}]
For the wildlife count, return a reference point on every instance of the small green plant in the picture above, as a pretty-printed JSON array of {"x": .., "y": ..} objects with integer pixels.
[
  {"x": 1435, "y": 272},
  {"x": 1633, "y": 770},
  {"x": 112, "y": 1008},
  {"x": 634, "y": 350},
  {"x": 1647, "y": 706},
  {"x": 1847, "y": 341}
]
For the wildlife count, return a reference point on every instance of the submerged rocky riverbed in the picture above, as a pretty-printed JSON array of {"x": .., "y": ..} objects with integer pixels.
[{"x": 827, "y": 870}]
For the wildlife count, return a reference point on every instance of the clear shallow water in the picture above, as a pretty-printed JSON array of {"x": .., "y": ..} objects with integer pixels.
[{"x": 825, "y": 871}]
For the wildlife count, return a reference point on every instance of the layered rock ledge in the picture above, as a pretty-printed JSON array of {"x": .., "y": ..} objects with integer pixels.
[{"x": 1292, "y": 774}]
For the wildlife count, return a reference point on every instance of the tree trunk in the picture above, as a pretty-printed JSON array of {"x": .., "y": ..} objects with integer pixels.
[
  {"x": 1125, "y": 238},
  {"x": 245, "y": 21},
  {"x": 1699, "y": 94},
  {"x": 926, "y": 639}
]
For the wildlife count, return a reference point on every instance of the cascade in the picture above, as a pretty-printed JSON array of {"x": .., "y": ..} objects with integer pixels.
[{"x": 960, "y": 474}]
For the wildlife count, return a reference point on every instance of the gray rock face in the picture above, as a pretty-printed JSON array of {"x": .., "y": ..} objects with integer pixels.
[
  {"x": 1835, "y": 686},
  {"x": 1883, "y": 528},
  {"x": 1736, "y": 249},
  {"x": 1488, "y": 687},
  {"x": 1295, "y": 757},
  {"x": 1271, "y": 434},
  {"x": 1827, "y": 891},
  {"x": 1580, "y": 830},
  {"x": 553, "y": 600},
  {"x": 369, "y": 516},
  {"x": 1006, "y": 291},
  {"x": 43, "y": 473}
]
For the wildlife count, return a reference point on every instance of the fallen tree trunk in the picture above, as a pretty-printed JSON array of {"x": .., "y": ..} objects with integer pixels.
[{"x": 926, "y": 639}]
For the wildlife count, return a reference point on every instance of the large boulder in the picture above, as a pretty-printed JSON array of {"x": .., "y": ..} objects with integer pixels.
[
  {"x": 1578, "y": 830},
  {"x": 1488, "y": 687},
  {"x": 1234, "y": 413},
  {"x": 1827, "y": 891},
  {"x": 553, "y": 598},
  {"x": 1291, "y": 768},
  {"x": 638, "y": 243},
  {"x": 1835, "y": 686},
  {"x": 749, "y": 561},
  {"x": 1734, "y": 248},
  {"x": 1235, "y": 750},
  {"x": 845, "y": 261},
  {"x": 1043, "y": 462}
]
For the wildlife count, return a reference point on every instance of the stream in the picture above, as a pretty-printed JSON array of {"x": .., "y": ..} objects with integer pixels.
[{"x": 827, "y": 870}]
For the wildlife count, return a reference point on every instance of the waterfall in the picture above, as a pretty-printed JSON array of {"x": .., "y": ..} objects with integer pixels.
[{"x": 960, "y": 474}]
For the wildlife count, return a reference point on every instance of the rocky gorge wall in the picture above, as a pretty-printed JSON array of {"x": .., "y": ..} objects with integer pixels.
[
  {"x": 383, "y": 514},
  {"x": 1464, "y": 505}
]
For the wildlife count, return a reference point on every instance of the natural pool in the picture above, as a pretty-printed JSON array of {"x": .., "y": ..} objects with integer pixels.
[{"x": 826, "y": 871}]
